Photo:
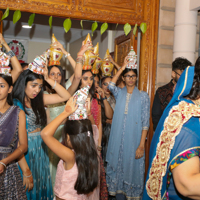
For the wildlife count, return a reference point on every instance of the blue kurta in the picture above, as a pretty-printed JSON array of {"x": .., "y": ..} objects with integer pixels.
[{"x": 124, "y": 173}]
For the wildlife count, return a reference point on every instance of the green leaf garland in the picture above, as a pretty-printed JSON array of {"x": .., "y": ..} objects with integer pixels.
[
  {"x": 67, "y": 24},
  {"x": 127, "y": 28},
  {"x": 143, "y": 27},
  {"x": 94, "y": 27},
  {"x": 6, "y": 13},
  {"x": 104, "y": 27},
  {"x": 16, "y": 16},
  {"x": 50, "y": 21},
  {"x": 135, "y": 29},
  {"x": 31, "y": 19}
]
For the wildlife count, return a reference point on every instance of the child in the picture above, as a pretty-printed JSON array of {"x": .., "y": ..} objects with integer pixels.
[
  {"x": 13, "y": 137},
  {"x": 77, "y": 172}
]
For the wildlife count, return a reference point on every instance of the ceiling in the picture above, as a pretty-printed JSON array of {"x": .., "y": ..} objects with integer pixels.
[{"x": 41, "y": 30}]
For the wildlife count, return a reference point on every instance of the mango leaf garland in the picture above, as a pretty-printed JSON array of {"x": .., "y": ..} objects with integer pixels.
[
  {"x": 50, "y": 21},
  {"x": 143, "y": 27},
  {"x": 16, "y": 16},
  {"x": 127, "y": 28},
  {"x": 31, "y": 19},
  {"x": 94, "y": 27},
  {"x": 104, "y": 27},
  {"x": 6, "y": 13},
  {"x": 81, "y": 23},
  {"x": 135, "y": 29},
  {"x": 67, "y": 24}
]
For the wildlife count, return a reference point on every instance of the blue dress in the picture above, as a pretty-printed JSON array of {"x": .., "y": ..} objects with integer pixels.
[
  {"x": 124, "y": 173},
  {"x": 37, "y": 159}
]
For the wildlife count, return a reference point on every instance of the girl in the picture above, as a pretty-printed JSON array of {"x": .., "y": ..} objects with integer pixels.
[
  {"x": 13, "y": 138},
  {"x": 28, "y": 94},
  {"x": 77, "y": 173},
  {"x": 56, "y": 73},
  {"x": 125, "y": 153}
]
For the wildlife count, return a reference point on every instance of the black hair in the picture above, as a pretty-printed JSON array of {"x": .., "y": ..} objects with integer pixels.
[
  {"x": 85, "y": 154},
  {"x": 24, "y": 65},
  {"x": 195, "y": 90},
  {"x": 9, "y": 80},
  {"x": 92, "y": 89},
  {"x": 128, "y": 70},
  {"x": 180, "y": 63},
  {"x": 37, "y": 104}
]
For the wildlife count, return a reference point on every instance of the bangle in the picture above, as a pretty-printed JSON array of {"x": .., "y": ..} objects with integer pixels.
[
  {"x": 54, "y": 85},
  {"x": 3, "y": 164},
  {"x": 89, "y": 114},
  {"x": 66, "y": 55},
  {"x": 79, "y": 55},
  {"x": 27, "y": 176},
  {"x": 79, "y": 60},
  {"x": 10, "y": 53},
  {"x": 99, "y": 148}
]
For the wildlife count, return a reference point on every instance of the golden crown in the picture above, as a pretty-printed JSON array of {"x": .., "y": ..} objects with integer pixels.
[
  {"x": 55, "y": 54},
  {"x": 89, "y": 56},
  {"x": 106, "y": 66},
  {"x": 98, "y": 61}
]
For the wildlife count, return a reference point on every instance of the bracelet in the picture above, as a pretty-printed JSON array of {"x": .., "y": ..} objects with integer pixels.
[
  {"x": 79, "y": 60},
  {"x": 3, "y": 164},
  {"x": 79, "y": 55},
  {"x": 54, "y": 85},
  {"x": 89, "y": 114},
  {"x": 104, "y": 98},
  {"x": 10, "y": 53},
  {"x": 27, "y": 176},
  {"x": 66, "y": 55}
]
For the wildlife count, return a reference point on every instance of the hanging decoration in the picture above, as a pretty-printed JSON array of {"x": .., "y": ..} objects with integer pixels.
[{"x": 67, "y": 23}]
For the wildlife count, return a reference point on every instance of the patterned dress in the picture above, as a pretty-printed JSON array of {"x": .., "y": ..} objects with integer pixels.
[
  {"x": 37, "y": 159},
  {"x": 11, "y": 186}
]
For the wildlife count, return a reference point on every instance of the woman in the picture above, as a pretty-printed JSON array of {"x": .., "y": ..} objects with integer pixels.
[
  {"x": 28, "y": 94},
  {"x": 177, "y": 139},
  {"x": 13, "y": 137},
  {"x": 125, "y": 153},
  {"x": 56, "y": 73}
]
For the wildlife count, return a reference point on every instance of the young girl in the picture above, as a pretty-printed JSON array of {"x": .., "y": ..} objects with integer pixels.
[
  {"x": 13, "y": 137},
  {"x": 77, "y": 172}
]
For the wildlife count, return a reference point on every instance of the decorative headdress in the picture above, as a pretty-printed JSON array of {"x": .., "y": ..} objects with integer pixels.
[
  {"x": 89, "y": 56},
  {"x": 39, "y": 63},
  {"x": 81, "y": 96},
  {"x": 98, "y": 61},
  {"x": 132, "y": 57},
  {"x": 4, "y": 64},
  {"x": 106, "y": 66},
  {"x": 55, "y": 54}
]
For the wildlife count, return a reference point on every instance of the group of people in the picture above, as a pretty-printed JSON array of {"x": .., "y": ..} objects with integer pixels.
[{"x": 85, "y": 139}]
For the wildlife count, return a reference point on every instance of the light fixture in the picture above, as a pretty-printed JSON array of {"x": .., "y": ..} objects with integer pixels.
[{"x": 26, "y": 26}]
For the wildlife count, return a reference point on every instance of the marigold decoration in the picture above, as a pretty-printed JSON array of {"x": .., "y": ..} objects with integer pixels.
[
  {"x": 106, "y": 66},
  {"x": 4, "y": 64},
  {"x": 55, "y": 55}
]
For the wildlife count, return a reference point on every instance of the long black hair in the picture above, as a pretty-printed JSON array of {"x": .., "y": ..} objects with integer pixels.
[
  {"x": 195, "y": 90},
  {"x": 82, "y": 141},
  {"x": 62, "y": 79},
  {"x": 37, "y": 103},
  {"x": 9, "y": 80}
]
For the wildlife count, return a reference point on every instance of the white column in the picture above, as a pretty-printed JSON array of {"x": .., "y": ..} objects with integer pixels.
[{"x": 185, "y": 29}]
